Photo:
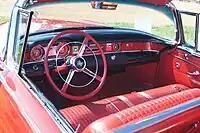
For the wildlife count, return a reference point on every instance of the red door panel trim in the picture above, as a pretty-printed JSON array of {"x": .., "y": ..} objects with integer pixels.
[
  {"x": 22, "y": 96},
  {"x": 187, "y": 61}
]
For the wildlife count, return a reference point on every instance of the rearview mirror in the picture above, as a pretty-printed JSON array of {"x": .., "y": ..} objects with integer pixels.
[{"x": 100, "y": 4}]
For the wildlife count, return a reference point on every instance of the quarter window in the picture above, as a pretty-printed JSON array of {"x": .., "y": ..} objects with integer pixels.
[
  {"x": 4, "y": 29},
  {"x": 189, "y": 22},
  {"x": 23, "y": 20}
]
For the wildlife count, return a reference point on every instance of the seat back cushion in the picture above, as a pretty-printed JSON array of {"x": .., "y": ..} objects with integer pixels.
[{"x": 141, "y": 111}]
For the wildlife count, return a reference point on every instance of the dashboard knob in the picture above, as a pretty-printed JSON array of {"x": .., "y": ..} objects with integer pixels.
[
  {"x": 35, "y": 67},
  {"x": 113, "y": 57}
]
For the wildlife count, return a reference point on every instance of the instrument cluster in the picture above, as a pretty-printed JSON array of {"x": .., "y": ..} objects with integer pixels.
[
  {"x": 62, "y": 48},
  {"x": 37, "y": 53}
]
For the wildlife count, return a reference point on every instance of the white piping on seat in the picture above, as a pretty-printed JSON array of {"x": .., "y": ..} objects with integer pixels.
[
  {"x": 145, "y": 95},
  {"x": 126, "y": 100},
  {"x": 112, "y": 104}
]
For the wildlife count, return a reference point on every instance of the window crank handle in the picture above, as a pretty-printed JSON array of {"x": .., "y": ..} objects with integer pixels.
[{"x": 195, "y": 73}]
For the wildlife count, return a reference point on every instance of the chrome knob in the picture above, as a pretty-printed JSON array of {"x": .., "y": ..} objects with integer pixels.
[{"x": 178, "y": 65}]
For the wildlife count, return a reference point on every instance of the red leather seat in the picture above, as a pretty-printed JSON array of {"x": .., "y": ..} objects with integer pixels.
[
  {"x": 141, "y": 111},
  {"x": 81, "y": 116}
]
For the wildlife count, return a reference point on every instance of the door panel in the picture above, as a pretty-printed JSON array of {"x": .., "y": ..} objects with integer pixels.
[
  {"x": 11, "y": 119},
  {"x": 179, "y": 66},
  {"x": 19, "y": 108}
]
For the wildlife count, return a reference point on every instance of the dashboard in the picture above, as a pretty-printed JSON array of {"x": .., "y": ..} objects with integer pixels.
[
  {"x": 38, "y": 51},
  {"x": 121, "y": 47}
]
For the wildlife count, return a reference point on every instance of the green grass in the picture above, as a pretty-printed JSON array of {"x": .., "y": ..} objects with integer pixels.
[
  {"x": 166, "y": 31},
  {"x": 121, "y": 24},
  {"x": 3, "y": 19},
  {"x": 189, "y": 34}
]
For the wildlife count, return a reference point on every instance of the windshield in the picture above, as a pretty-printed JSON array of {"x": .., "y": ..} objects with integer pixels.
[{"x": 157, "y": 20}]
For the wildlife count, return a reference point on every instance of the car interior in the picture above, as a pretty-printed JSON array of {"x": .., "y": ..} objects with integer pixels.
[
  {"x": 131, "y": 75},
  {"x": 140, "y": 68}
]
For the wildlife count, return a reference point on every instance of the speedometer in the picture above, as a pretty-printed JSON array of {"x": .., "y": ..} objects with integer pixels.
[
  {"x": 37, "y": 53},
  {"x": 63, "y": 49}
]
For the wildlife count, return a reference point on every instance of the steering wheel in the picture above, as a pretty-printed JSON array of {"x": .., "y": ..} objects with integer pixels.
[{"x": 76, "y": 64}]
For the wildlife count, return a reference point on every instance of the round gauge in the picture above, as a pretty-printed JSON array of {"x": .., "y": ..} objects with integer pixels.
[
  {"x": 37, "y": 52},
  {"x": 63, "y": 49},
  {"x": 117, "y": 46}
]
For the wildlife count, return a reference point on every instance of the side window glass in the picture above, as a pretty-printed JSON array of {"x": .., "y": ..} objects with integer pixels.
[
  {"x": 198, "y": 46},
  {"x": 189, "y": 25},
  {"x": 3, "y": 36},
  {"x": 23, "y": 20}
]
